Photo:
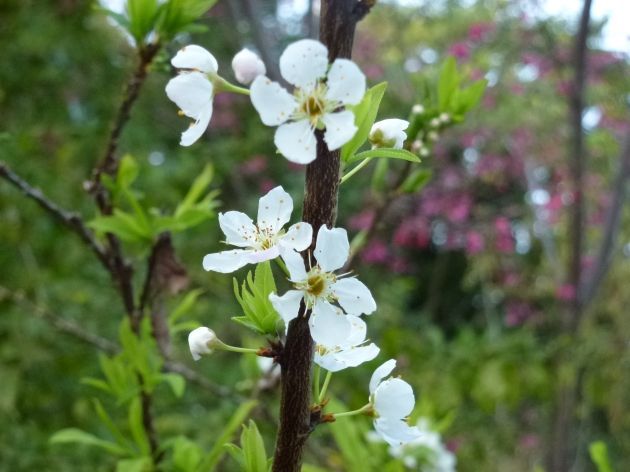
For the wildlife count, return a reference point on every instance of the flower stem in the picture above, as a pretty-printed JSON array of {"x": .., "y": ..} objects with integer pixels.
[
  {"x": 222, "y": 85},
  {"x": 356, "y": 169},
  {"x": 316, "y": 375},
  {"x": 322, "y": 393},
  {"x": 364, "y": 409},
  {"x": 246, "y": 350}
]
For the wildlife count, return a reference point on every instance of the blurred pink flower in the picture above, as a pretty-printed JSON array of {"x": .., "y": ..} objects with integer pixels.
[
  {"x": 460, "y": 50},
  {"x": 474, "y": 242},
  {"x": 517, "y": 312},
  {"x": 254, "y": 165},
  {"x": 265, "y": 185},
  {"x": 376, "y": 252},
  {"x": 361, "y": 220},
  {"x": 478, "y": 32},
  {"x": 413, "y": 232},
  {"x": 565, "y": 292}
]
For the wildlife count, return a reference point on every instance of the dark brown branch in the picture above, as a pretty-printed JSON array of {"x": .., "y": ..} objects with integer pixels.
[
  {"x": 337, "y": 25},
  {"x": 611, "y": 229},
  {"x": 71, "y": 220},
  {"x": 109, "y": 163},
  {"x": 577, "y": 164}
]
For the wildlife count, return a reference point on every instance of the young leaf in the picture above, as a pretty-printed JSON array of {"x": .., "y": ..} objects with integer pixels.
[
  {"x": 599, "y": 455},
  {"x": 186, "y": 455},
  {"x": 416, "y": 181},
  {"x": 364, "y": 116},
  {"x": 111, "y": 426},
  {"x": 136, "y": 427},
  {"x": 253, "y": 448},
  {"x": 258, "y": 312},
  {"x": 123, "y": 225},
  {"x": 74, "y": 435},
  {"x": 217, "y": 451},
  {"x": 176, "y": 382},
  {"x": 448, "y": 82},
  {"x": 388, "y": 153},
  {"x": 140, "y": 464}
]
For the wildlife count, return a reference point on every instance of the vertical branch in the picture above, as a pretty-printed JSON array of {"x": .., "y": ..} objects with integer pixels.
[
  {"x": 337, "y": 25},
  {"x": 577, "y": 158},
  {"x": 563, "y": 416}
]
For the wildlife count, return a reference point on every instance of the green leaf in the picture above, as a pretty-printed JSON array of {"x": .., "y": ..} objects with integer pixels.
[
  {"x": 140, "y": 464},
  {"x": 448, "y": 82},
  {"x": 186, "y": 455},
  {"x": 388, "y": 153},
  {"x": 216, "y": 453},
  {"x": 469, "y": 97},
  {"x": 254, "y": 300},
  {"x": 253, "y": 448},
  {"x": 599, "y": 455},
  {"x": 127, "y": 171},
  {"x": 111, "y": 426},
  {"x": 176, "y": 382},
  {"x": 416, "y": 181},
  {"x": 176, "y": 16},
  {"x": 364, "y": 116},
  {"x": 137, "y": 428},
  {"x": 75, "y": 435},
  {"x": 119, "y": 18},
  {"x": 142, "y": 15},
  {"x": 197, "y": 189},
  {"x": 184, "y": 306},
  {"x": 123, "y": 225}
]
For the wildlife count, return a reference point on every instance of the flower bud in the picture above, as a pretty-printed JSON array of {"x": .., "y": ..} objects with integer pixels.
[
  {"x": 389, "y": 133},
  {"x": 417, "y": 109},
  {"x": 247, "y": 66},
  {"x": 201, "y": 341}
]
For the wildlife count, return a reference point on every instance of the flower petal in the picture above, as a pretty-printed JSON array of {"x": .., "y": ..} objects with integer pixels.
[
  {"x": 238, "y": 228},
  {"x": 255, "y": 256},
  {"x": 389, "y": 133},
  {"x": 354, "y": 297},
  {"x": 195, "y": 57},
  {"x": 196, "y": 129},
  {"x": 358, "y": 331},
  {"x": 332, "y": 248},
  {"x": 356, "y": 356},
  {"x": 329, "y": 325},
  {"x": 380, "y": 373},
  {"x": 295, "y": 265},
  {"x": 274, "y": 210},
  {"x": 340, "y": 128},
  {"x": 296, "y": 141},
  {"x": 192, "y": 92},
  {"x": 395, "y": 432},
  {"x": 226, "y": 261},
  {"x": 304, "y": 62},
  {"x": 346, "y": 82},
  {"x": 298, "y": 237},
  {"x": 394, "y": 398},
  {"x": 287, "y": 305},
  {"x": 272, "y": 102}
]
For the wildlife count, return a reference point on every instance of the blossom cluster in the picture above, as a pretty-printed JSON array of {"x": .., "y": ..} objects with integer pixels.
[{"x": 332, "y": 301}]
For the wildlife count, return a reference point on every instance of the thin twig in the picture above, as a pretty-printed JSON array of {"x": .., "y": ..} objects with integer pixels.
[
  {"x": 105, "y": 345},
  {"x": 71, "y": 220}
]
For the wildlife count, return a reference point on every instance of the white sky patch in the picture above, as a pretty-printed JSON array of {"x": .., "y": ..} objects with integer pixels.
[{"x": 616, "y": 33}]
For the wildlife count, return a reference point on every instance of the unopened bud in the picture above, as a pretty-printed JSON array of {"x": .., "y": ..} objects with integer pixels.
[
  {"x": 417, "y": 109},
  {"x": 433, "y": 136},
  {"x": 389, "y": 133},
  {"x": 416, "y": 145},
  {"x": 247, "y": 66},
  {"x": 445, "y": 118},
  {"x": 202, "y": 341},
  {"x": 424, "y": 152},
  {"x": 434, "y": 123}
]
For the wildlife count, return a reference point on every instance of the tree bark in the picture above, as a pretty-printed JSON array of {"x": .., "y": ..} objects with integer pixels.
[{"x": 337, "y": 25}]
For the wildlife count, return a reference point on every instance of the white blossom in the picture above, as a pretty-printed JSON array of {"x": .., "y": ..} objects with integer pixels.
[
  {"x": 393, "y": 401},
  {"x": 192, "y": 90},
  {"x": 247, "y": 66},
  {"x": 440, "y": 458},
  {"x": 201, "y": 341},
  {"x": 389, "y": 133},
  {"x": 319, "y": 287},
  {"x": 350, "y": 352},
  {"x": 319, "y": 93},
  {"x": 261, "y": 241}
]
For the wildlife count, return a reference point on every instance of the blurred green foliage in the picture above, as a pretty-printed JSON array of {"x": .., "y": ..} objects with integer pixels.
[{"x": 490, "y": 386}]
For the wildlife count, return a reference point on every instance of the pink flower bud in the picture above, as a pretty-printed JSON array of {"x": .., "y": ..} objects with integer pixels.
[{"x": 247, "y": 66}]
